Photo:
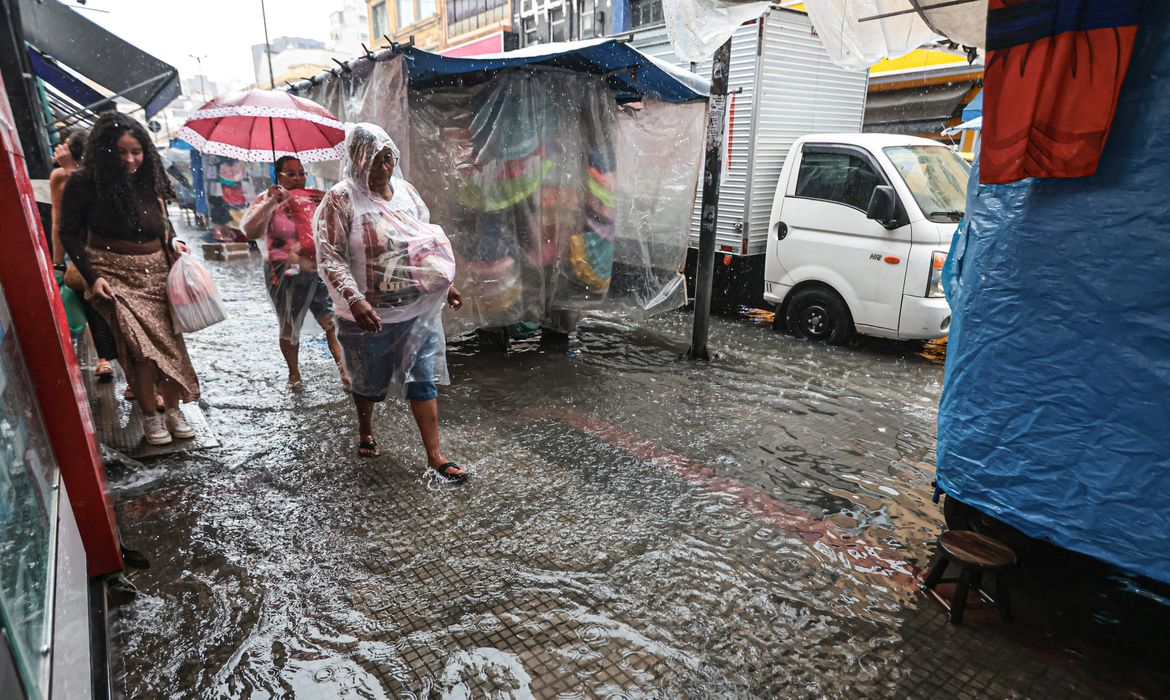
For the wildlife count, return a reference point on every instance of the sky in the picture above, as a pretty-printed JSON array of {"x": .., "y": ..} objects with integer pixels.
[{"x": 221, "y": 32}]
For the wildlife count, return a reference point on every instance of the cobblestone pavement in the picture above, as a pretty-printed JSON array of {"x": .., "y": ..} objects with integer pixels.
[{"x": 634, "y": 526}]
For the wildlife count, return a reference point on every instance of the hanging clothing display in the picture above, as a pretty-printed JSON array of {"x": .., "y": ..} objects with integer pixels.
[
  {"x": 1054, "y": 73},
  {"x": 535, "y": 172},
  {"x": 535, "y": 192},
  {"x": 228, "y": 194}
]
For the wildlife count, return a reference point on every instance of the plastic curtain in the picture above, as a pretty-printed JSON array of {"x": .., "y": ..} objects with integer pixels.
[
  {"x": 371, "y": 92},
  {"x": 542, "y": 183},
  {"x": 557, "y": 200}
]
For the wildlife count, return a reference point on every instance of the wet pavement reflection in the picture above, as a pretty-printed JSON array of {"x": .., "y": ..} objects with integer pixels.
[{"x": 635, "y": 525}]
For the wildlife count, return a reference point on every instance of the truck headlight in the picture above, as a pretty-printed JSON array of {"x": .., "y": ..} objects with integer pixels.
[{"x": 934, "y": 287}]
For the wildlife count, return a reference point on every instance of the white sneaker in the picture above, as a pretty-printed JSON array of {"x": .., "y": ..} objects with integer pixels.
[
  {"x": 156, "y": 432},
  {"x": 178, "y": 425}
]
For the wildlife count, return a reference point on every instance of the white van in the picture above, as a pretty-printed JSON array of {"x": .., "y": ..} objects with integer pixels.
[{"x": 860, "y": 228}]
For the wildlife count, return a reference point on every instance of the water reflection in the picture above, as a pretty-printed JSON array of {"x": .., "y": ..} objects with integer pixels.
[{"x": 636, "y": 525}]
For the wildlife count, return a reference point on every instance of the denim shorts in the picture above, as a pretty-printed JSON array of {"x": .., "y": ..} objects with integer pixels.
[{"x": 374, "y": 361}]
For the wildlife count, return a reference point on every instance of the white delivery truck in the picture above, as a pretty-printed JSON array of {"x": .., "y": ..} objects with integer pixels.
[
  {"x": 782, "y": 86},
  {"x": 861, "y": 225}
]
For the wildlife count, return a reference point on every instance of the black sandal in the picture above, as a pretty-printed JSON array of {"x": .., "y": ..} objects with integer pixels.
[
  {"x": 370, "y": 446},
  {"x": 444, "y": 473}
]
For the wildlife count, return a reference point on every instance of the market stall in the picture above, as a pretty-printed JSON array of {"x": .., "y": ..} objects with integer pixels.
[{"x": 564, "y": 175}]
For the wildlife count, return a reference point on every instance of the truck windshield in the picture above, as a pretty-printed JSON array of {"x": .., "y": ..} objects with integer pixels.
[{"x": 936, "y": 176}]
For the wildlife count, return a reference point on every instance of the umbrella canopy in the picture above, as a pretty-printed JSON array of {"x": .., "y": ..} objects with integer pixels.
[{"x": 263, "y": 125}]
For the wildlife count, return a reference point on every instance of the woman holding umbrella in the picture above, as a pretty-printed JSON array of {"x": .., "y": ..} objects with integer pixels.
[
  {"x": 290, "y": 268},
  {"x": 286, "y": 130}
]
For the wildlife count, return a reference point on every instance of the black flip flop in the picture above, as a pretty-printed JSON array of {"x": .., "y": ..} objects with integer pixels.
[
  {"x": 442, "y": 472},
  {"x": 370, "y": 445}
]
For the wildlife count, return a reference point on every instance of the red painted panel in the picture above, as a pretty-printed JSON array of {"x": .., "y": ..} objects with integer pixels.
[{"x": 493, "y": 43}]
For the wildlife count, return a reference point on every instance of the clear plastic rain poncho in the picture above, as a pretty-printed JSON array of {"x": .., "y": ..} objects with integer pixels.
[
  {"x": 290, "y": 264},
  {"x": 387, "y": 252}
]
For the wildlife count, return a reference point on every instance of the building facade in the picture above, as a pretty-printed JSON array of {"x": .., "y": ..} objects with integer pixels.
[
  {"x": 349, "y": 27},
  {"x": 443, "y": 25},
  {"x": 543, "y": 21}
]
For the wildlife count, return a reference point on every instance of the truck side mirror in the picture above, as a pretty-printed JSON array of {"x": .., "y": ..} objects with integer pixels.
[{"x": 883, "y": 205}]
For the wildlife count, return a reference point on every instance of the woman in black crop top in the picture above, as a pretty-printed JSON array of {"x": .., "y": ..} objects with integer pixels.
[{"x": 114, "y": 226}]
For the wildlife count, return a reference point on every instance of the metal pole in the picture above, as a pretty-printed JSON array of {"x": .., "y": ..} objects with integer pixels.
[
  {"x": 267, "y": 47},
  {"x": 712, "y": 170},
  {"x": 202, "y": 85}
]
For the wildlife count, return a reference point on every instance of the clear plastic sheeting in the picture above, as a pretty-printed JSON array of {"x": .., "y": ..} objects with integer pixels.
[
  {"x": 384, "y": 252},
  {"x": 654, "y": 204},
  {"x": 558, "y": 201},
  {"x": 859, "y": 33},
  {"x": 373, "y": 92},
  {"x": 1055, "y": 410},
  {"x": 698, "y": 27}
]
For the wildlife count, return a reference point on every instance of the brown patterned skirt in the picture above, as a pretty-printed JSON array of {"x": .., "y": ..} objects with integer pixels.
[{"x": 140, "y": 314}]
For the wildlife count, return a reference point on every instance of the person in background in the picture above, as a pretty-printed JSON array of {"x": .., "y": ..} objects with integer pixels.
[
  {"x": 68, "y": 156},
  {"x": 390, "y": 273},
  {"x": 290, "y": 269},
  {"x": 115, "y": 228}
]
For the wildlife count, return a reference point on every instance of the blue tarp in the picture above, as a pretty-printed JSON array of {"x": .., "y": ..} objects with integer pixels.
[
  {"x": 69, "y": 85},
  {"x": 632, "y": 74},
  {"x": 1055, "y": 415}
]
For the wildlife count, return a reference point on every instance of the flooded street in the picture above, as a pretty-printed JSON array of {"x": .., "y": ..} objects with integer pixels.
[{"x": 635, "y": 525}]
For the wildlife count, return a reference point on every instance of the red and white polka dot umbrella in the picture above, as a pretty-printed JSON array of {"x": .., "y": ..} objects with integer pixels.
[{"x": 263, "y": 125}]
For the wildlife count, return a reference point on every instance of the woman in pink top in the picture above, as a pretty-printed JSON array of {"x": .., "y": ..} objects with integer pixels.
[{"x": 290, "y": 270}]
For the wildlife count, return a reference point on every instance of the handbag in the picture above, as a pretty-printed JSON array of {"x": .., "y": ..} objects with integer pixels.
[
  {"x": 194, "y": 298},
  {"x": 191, "y": 292}
]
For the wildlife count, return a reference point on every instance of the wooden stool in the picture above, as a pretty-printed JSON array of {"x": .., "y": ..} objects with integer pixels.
[{"x": 976, "y": 554}]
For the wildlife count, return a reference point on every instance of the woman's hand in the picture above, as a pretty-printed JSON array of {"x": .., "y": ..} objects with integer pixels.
[
  {"x": 181, "y": 247},
  {"x": 278, "y": 193},
  {"x": 63, "y": 156},
  {"x": 454, "y": 298},
  {"x": 103, "y": 289},
  {"x": 365, "y": 316}
]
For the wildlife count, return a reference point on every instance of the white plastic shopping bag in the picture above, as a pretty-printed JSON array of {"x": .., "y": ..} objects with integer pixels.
[{"x": 195, "y": 302}]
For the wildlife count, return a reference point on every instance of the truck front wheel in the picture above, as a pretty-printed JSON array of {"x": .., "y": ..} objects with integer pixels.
[{"x": 820, "y": 315}]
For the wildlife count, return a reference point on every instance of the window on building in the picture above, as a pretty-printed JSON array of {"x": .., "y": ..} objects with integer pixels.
[
  {"x": 381, "y": 20},
  {"x": 529, "y": 25},
  {"x": 464, "y": 16},
  {"x": 557, "y": 24},
  {"x": 645, "y": 12},
  {"x": 427, "y": 8},
  {"x": 406, "y": 13},
  {"x": 836, "y": 177},
  {"x": 588, "y": 20}
]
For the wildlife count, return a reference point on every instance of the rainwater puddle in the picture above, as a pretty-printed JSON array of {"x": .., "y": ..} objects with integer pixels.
[{"x": 635, "y": 525}]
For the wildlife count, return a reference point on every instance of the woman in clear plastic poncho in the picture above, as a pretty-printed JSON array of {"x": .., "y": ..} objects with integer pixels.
[
  {"x": 390, "y": 272},
  {"x": 290, "y": 270}
]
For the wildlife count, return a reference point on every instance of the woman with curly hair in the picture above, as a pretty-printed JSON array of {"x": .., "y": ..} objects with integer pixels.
[{"x": 115, "y": 227}]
